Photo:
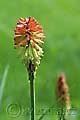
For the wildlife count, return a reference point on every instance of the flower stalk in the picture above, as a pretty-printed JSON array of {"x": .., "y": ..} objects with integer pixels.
[
  {"x": 32, "y": 94},
  {"x": 32, "y": 89}
]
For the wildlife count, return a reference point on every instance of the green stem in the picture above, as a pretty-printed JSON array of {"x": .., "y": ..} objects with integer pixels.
[
  {"x": 31, "y": 70},
  {"x": 32, "y": 95}
]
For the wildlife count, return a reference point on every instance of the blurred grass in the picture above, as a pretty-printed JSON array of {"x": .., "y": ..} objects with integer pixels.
[
  {"x": 3, "y": 82},
  {"x": 61, "y": 23}
]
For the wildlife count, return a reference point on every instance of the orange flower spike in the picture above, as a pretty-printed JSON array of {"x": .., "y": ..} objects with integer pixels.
[{"x": 28, "y": 36}]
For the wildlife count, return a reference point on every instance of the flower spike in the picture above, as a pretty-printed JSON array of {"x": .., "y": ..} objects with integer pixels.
[{"x": 28, "y": 36}]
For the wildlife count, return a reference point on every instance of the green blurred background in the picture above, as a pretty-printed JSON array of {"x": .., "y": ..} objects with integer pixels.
[{"x": 61, "y": 23}]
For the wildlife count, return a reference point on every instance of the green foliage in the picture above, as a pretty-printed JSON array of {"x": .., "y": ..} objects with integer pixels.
[{"x": 61, "y": 23}]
